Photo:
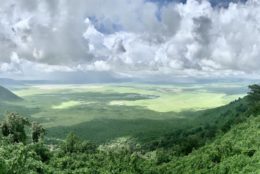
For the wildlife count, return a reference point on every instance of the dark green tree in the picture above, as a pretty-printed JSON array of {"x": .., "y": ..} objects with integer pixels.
[
  {"x": 38, "y": 132},
  {"x": 254, "y": 99},
  {"x": 71, "y": 143},
  {"x": 254, "y": 93},
  {"x": 14, "y": 127}
]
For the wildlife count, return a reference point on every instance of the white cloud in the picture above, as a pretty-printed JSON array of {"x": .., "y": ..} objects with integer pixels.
[{"x": 134, "y": 38}]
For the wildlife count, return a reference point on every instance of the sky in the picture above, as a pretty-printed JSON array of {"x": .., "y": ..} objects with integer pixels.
[{"x": 156, "y": 40}]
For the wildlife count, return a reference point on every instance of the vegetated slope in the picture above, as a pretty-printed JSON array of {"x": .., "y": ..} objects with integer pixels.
[
  {"x": 206, "y": 125},
  {"x": 237, "y": 151},
  {"x": 6, "y": 95},
  {"x": 229, "y": 144}
]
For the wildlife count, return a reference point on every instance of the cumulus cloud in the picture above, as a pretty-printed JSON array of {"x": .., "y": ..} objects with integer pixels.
[{"x": 136, "y": 38}]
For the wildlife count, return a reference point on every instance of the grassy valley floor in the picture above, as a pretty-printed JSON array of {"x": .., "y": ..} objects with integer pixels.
[{"x": 123, "y": 109}]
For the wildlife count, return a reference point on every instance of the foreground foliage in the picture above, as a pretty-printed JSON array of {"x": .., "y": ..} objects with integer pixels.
[{"x": 230, "y": 143}]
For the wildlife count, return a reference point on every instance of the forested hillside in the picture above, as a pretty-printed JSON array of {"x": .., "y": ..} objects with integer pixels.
[
  {"x": 7, "y": 95},
  {"x": 227, "y": 140},
  {"x": 237, "y": 151}
]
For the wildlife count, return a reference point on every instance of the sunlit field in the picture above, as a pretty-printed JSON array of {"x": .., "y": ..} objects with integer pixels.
[{"x": 107, "y": 111}]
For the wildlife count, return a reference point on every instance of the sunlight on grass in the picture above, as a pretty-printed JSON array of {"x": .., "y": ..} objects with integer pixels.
[
  {"x": 180, "y": 101},
  {"x": 66, "y": 105}
]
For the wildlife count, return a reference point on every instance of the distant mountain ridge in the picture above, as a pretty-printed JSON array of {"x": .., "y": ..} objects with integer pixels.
[
  {"x": 10, "y": 82},
  {"x": 6, "y": 95}
]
